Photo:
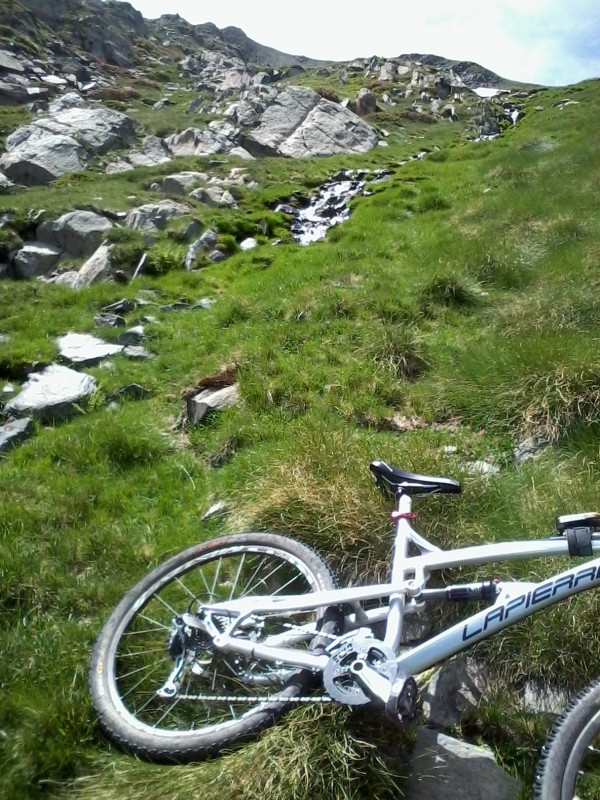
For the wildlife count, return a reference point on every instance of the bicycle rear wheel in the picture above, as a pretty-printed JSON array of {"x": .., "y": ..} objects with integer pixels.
[
  {"x": 569, "y": 764},
  {"x": 218, "y": 697}
]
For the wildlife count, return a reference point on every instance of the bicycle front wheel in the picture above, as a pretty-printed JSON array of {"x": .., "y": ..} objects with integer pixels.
[
  {"x": 569, "y": 764},
  {"x": 217, "y": 697}
]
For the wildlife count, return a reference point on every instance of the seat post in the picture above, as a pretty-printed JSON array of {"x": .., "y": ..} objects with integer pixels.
[{"x": 393, "y": 631}]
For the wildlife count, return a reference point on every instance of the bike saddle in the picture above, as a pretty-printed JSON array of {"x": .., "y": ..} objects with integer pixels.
[{"x": 393, "y": 479}]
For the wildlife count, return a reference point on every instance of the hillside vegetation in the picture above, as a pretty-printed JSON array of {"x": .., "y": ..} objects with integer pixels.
[{"x": 462, "y": 293}]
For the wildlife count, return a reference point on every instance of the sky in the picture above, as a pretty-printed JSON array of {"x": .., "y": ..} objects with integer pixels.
[{"x": 552, "y": 42}]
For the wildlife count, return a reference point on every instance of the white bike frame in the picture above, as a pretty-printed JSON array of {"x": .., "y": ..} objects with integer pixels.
[{"x": 407, "y": 592}]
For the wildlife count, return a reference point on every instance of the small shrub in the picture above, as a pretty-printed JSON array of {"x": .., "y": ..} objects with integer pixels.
[
  {"x": 128, "y": 247},
  {"x": 236, "y": 226},
  {"x": 227, "y": 243},
  {"x": 432, "y": 202},
  {"x": 164, "y": 257},
  {"x": 329, "y": 94},
  {"x": 9, "y": 240},
  {"x": 447, "y": 291},
  {"x": 71, "y": 179}
]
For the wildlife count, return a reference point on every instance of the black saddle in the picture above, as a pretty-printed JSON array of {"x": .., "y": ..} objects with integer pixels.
[{"x": 393, "y": 480}]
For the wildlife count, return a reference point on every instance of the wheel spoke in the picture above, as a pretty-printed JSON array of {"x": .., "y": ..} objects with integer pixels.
[{"x": 212, "y": 689}]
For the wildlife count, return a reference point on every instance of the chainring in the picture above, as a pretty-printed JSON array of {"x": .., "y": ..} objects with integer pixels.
[{"x": 338, "y": 679}]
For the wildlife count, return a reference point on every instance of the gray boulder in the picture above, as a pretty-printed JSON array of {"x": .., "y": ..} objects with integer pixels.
[
  {"x": 54, "y": 393},
  {"x": 287, "y": 113},
  {"x": 455, "y": 770},
  {"x": 154, "y": 217},
  {"x": 35, "y": 260},
  {"x": 182, "y": 182},
  {"x": 79, "y": 233},
  {"x": 209, "y": 400},
  {"x": 243, "y": 113},
  {"x": 59, "y": 143},
  {"x": 154, "y": 151},
  {"x": 9, "y": 63},
  {"x": 84, "y": 349},
  {"x": 218, "y": 137},
  {"x": 96, "y": 268},
  {"x": 214, "y": 196},
  {"x": 453, "y": 693},
  {"x": 43, "y": 158},
  {"x": 388, "y": 71},
  {"x": 366, "y": 102},
  {"x": 15, "y": 431},
  {"x": 6, "y": 186},
  {"x": 13, "y": 94},
  {"x": 301, "y": 124}
]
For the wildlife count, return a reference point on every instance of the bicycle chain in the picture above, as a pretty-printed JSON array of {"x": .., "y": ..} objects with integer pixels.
[
  {"x": 269, "y": 699},
  {"x": 272, "y": 699}
]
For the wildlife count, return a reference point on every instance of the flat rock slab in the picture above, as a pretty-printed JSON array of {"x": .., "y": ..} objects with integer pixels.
[
  {"x": 455, "y": 770},
  {"x": 54, "y": 393},
  {"x": 84, "y": 349},
  {"x": 15, "y": 431},
  {"x": 208, "y": 400}
]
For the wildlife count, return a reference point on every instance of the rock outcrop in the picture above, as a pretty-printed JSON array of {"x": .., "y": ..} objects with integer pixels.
[
  {"x": 62, "y": 142},
  {"x": 300, "y": 124}
]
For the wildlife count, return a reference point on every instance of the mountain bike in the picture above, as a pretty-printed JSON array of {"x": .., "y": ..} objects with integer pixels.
[{"x": 217, "y": 642}]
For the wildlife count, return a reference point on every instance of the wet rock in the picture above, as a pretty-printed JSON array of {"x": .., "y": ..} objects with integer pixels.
[
  {"x": 35, "y": 260},
  {"x": 326, "y": 208},
  {"x": 455, "y": 770},
  {"x": 54, "y": 393},
  {"x": 79, "y": 233},
  {"x": 84, "y": 349},
  {"x": 206, "y": 401},
  {"x": 15, "y": 431}
]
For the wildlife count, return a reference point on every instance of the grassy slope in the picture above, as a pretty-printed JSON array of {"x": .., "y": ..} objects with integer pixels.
[{"x": 463, "y": 289}]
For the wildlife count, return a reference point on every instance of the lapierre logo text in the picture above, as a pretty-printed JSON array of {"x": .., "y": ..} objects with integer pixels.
[{"x": 541, "y": 593}]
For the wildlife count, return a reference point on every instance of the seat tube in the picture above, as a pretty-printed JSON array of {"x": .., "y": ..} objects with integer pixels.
[{"x": 395, "y": 621}]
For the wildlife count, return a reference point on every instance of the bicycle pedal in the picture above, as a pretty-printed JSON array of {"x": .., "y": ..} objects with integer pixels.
[{"x": 401, "y": 706}]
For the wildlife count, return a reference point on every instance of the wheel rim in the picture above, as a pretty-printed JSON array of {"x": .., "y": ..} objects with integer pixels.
[
  {"x": 581, "y": 780},
  {"x": 140, "y": 659}
]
